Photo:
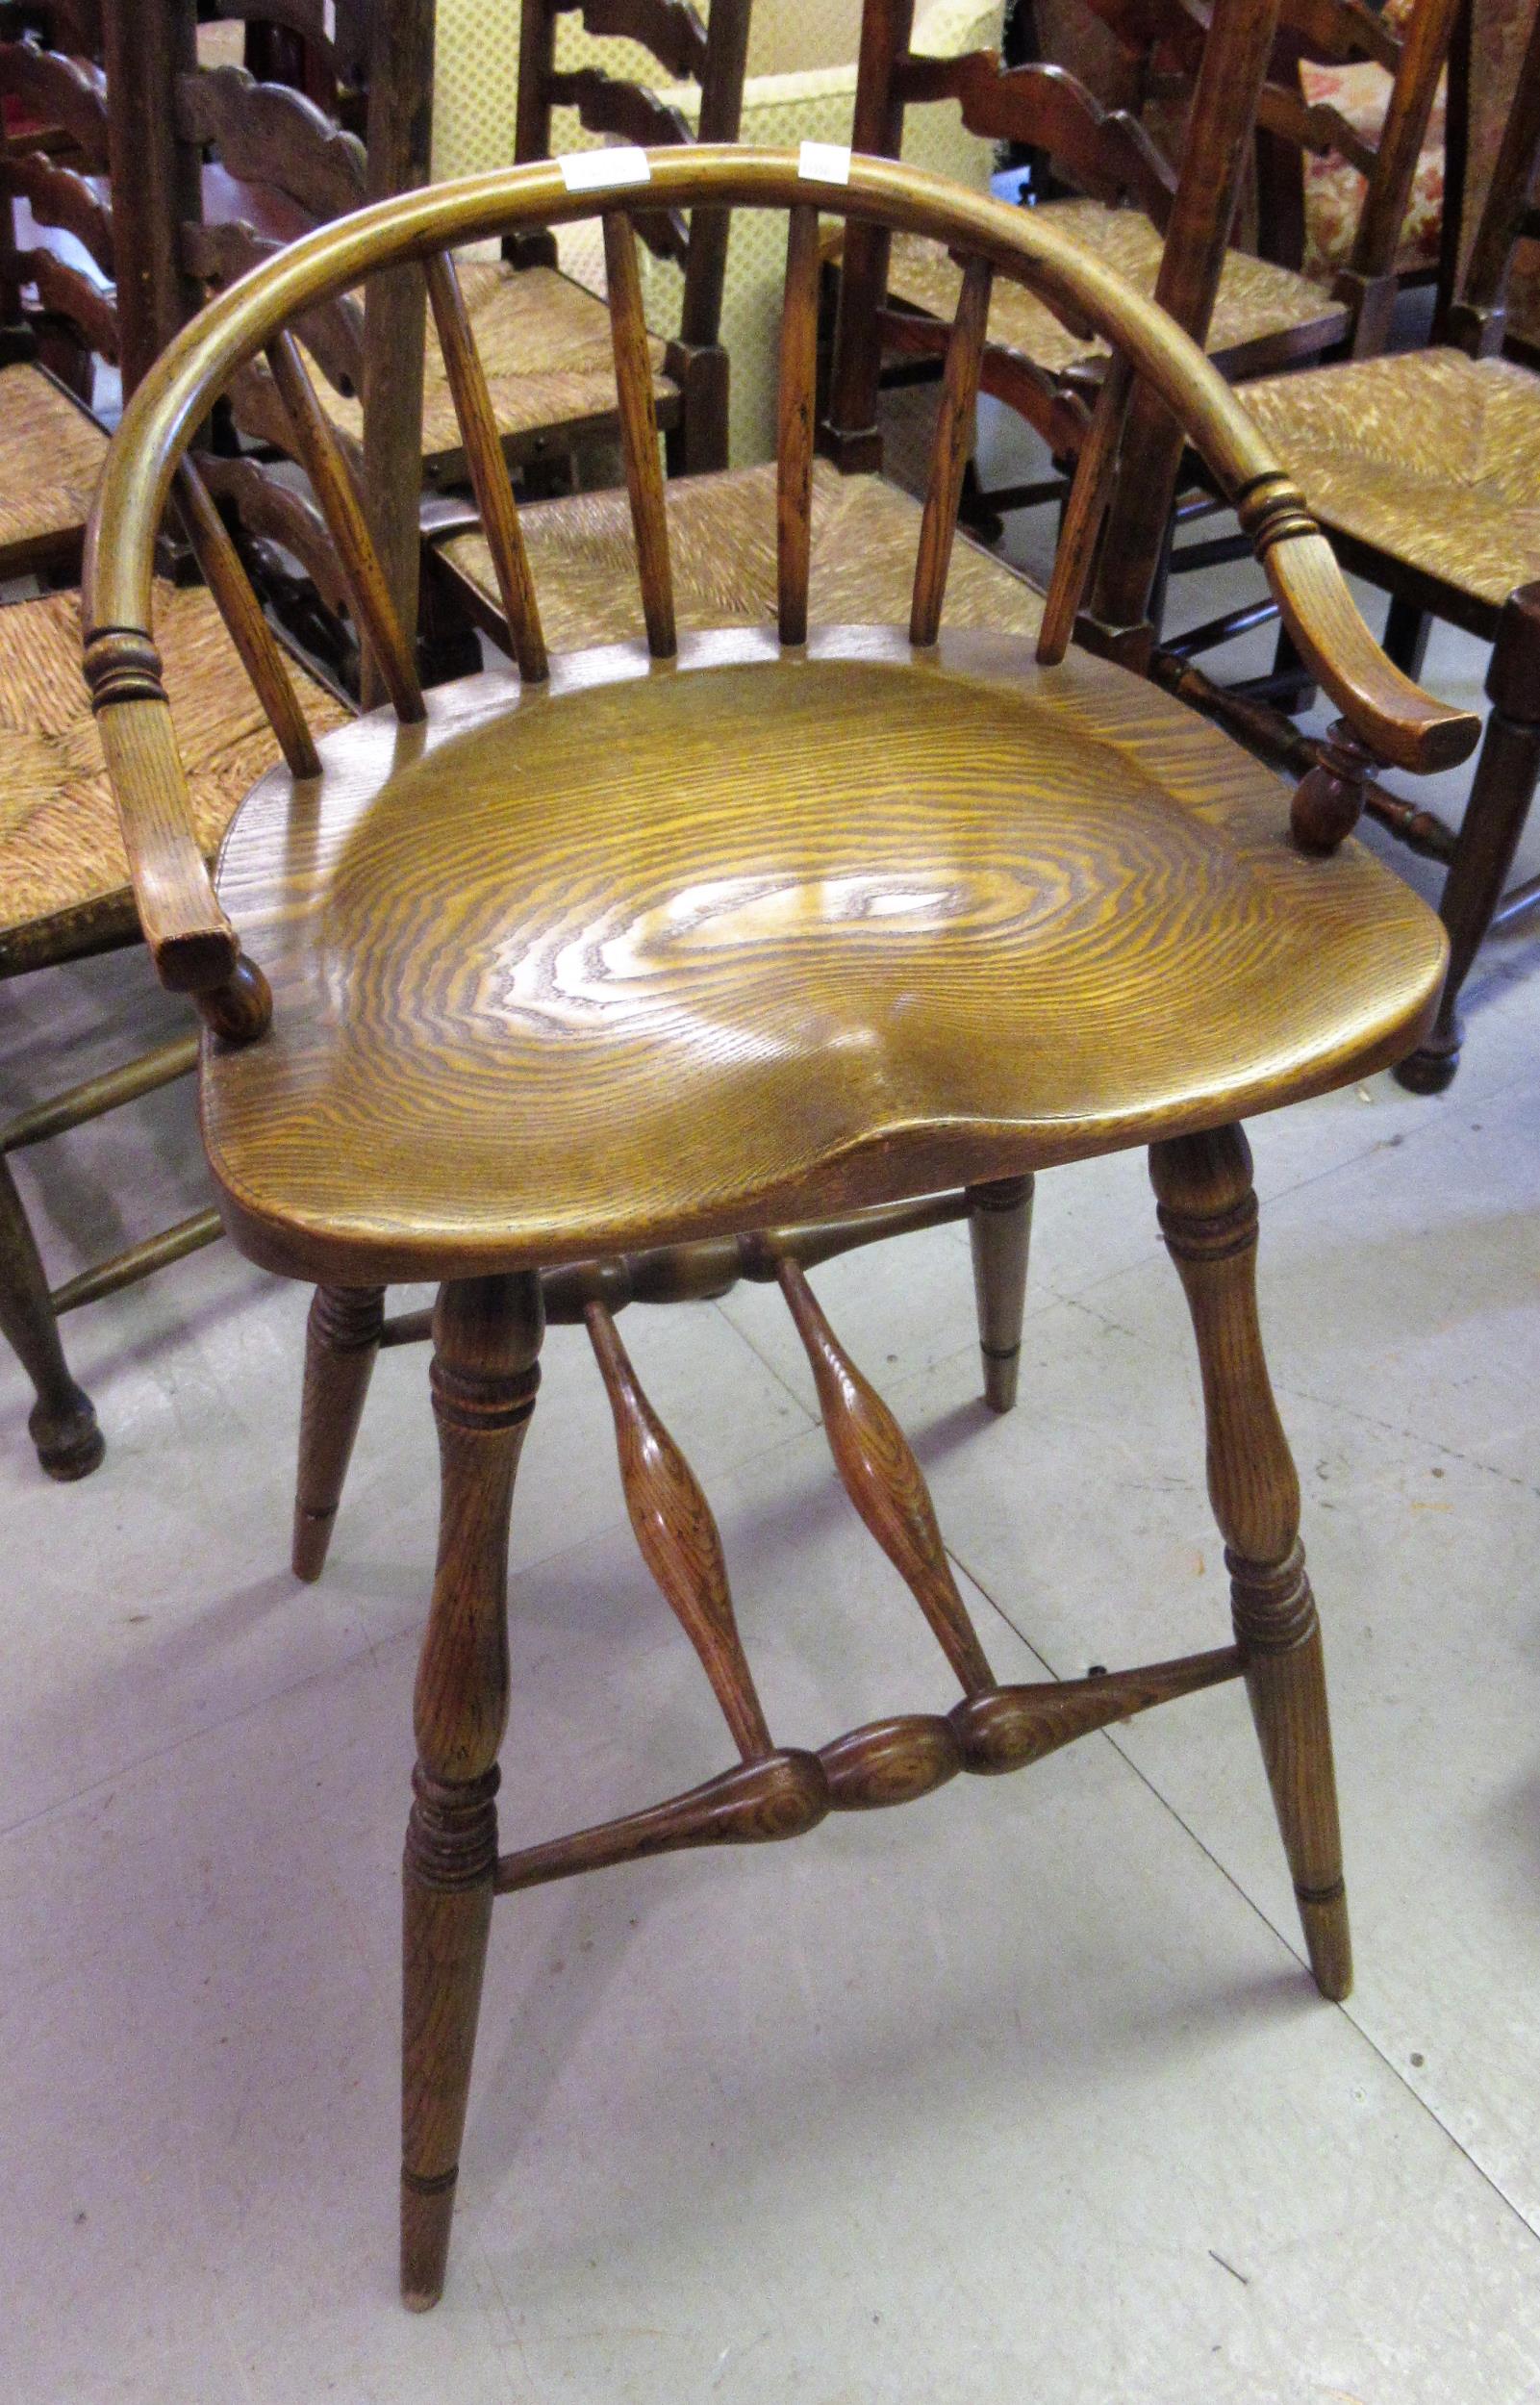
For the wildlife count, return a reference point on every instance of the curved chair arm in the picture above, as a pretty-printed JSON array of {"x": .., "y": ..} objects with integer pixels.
[{"x": 193, "y": 943}]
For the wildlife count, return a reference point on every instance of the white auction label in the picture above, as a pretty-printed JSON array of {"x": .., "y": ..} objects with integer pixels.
[
  {"x": 824, "y": 163},
  {"x": 595, "y": 170},
  {"x": 329, "y": 19}
]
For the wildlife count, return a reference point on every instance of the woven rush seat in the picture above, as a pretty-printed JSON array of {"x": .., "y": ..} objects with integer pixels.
[
  {"x": 545, "y": 345},
  {"x": 1429, "y": 456},
  {"x": 721, "y": 541},
  {"x": 51, "y": 455},
  {"x": 1258, "y": 301},
  {"x": 745, "y": 930},
  {"x": 61, "y": 850}
]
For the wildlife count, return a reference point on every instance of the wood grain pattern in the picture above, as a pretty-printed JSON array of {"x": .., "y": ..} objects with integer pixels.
[
  {"x": 1000, "y": 1230},
  {"x": 870, "y": 1769},
  {"x": 831, "y": 883},
  {"x": 316, "y": 446},
  {"x": 485, "y": 1374},
  {"x": 639, "y": 433},
  {"x": 1208, "y": 1217},
  {"x": 678, "y": 1536},
  {"x": 950, "y": 451},
  {"x": 799, "y": 367},
  {"x": 885, "y": 1483},
  {"x": 342, "y": 1339},
  {"x": 489, "y": 472}
]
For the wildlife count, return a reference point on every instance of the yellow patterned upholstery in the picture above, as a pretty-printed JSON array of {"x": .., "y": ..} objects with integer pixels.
[
  {"x": 1432, "y": 457},
  {"x": 60, "y": 846},
  {"x": 50, "y": 457},
  {"x": 721, "y": 543},
  {"x": 800, "y": 88},
  {"x": 1257, "y": 301}
]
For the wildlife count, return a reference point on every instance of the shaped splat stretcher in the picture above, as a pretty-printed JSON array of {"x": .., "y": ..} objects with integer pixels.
[{"x": 777, "y": 1791}]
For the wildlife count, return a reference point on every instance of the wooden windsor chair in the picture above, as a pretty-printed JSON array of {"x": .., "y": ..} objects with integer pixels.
[
  {"x": 1424, "y": 468},
  {"x": 621, "y": 975}
]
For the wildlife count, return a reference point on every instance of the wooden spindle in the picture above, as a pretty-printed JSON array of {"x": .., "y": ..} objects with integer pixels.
[
  {"x": 678, "y": 1536},
  {"x": 639, "y": 433},
  {"x": 323, "y": 460},
  {"x": 489, "y": 470},
  {"x": 885, "y": 1483},
  {"x": 1089, "y": 497},
  {"x": 950, "y": 451},
  {"x": 249, "y": 631},
  {"x": 794, "y": 493}
]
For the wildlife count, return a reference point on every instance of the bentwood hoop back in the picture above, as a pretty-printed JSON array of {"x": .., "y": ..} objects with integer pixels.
[{"x": 620, "y": 974}]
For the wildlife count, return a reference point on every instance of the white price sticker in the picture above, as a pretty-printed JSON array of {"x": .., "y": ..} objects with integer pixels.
[
  {"x": 329, "y": 19},
  {"x": 597, "y": 170},
  {"x": 824, "y": 163}
]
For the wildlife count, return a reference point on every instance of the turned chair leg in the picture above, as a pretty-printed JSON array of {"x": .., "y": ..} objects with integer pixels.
[
  {"x": 1501, "y": 794},
  {"x": 1208, "y": 1216},
  {"x": 487, "y": 1335},
  {"x": 62, "y": 1426},
  {"x": 342, "y": 1338},
  {"x": 999, "y": 1230}
]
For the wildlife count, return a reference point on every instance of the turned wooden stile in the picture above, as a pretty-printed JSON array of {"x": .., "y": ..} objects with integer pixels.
[
  {"x": 332, "y": 480},
  {"x": 1208, "y": 1217},
  {"x": 249, "y": 631},
  {"x": 342, "y": 1343},
  {"x": 489, "y": 470},
  {"x": 486, "y": 1371},
  {"x": 639, "y": 433},
  {"x": 885, "y": 1483},
  {"x": 794, "y": 493},
  {"x": 678, "y": 1536},
  {"x": 950, "y": 451},
  {"x": 1089, "y": 495}
]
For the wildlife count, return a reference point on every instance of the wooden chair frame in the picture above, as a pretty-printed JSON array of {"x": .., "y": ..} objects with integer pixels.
[
  {"x": 1478, "y": 854},
  {"x": 486, "y": 1326},
  {"x": 713, "y": 54}
]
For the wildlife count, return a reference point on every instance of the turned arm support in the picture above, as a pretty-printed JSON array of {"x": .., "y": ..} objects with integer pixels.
[
  {"x": 192, "y": 943},
  {"x": 1399, "y": 721}
]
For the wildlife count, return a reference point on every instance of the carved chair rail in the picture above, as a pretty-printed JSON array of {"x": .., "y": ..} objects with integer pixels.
[{"x": 196, "y": 950}]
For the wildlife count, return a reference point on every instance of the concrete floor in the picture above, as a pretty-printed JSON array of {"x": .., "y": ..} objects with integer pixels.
[{"x": 1021, "y": 2094}]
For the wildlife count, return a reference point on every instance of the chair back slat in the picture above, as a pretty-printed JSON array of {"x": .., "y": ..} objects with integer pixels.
[
  {"x": 639, "y": 433},
  {"x": 323, "y": 461},
  {"x": 59, "y": 91},
  {"x": 270, "y": 134},
  {"x": 243, "y": 613},
  {"x": 489, "y": 472},
  {"x": 951, "y": 449},
  {"x": 59, "y": 195},
  {"x": 1087, "y": 507},
  {"x": 1506, "y": 214},
  {"x": 793, "y": 489}
]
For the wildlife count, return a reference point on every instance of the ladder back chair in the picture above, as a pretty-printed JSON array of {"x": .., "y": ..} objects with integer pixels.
[
  {"x": 1166, "y": 231},
  {"x": 63, "y": 875},
  {"x": 1351, "y": 150},
  {"x": 1424, "y": 468},
  {"x": 57, "y": 305},
  {"x": 631, "y": 970}
]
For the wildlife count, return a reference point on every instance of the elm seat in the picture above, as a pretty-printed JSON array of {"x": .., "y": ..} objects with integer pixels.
[
  {"x": 62, "y": 866},
  {"x": 721, "y": 541},
  {"x": 1258, "y": 305},
  {"x": 669, "y": 950},
  {"x": 1429, "y": 456},
  {"x": 51, "y": 454}
]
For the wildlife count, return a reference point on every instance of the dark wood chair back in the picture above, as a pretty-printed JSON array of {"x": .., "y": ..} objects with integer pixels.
[
  {"x": 1475, "y": 319},
  {"x": 235, "y": 168},
  {"x": 711, "y": 55},
  {"x": 58, "y": 301}
]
